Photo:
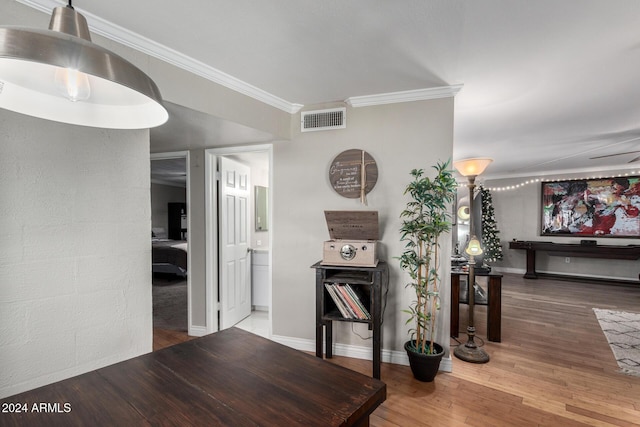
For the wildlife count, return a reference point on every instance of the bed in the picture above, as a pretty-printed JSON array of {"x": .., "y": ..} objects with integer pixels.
[{"x": 169, "y": 256}]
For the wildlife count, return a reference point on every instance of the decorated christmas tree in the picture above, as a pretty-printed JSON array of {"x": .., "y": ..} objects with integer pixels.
[{"x": 490, "y": 239}]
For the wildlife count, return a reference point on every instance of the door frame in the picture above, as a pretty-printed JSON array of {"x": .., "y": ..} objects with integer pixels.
[
  {"x": 187, "y": 157},
  {"x": 211, "y": 228}
]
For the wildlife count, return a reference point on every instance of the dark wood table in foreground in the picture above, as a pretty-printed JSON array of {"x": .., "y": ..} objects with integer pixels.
[{"x": 230, "y": 378}]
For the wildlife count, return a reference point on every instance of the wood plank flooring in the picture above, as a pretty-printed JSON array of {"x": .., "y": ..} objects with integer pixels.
[
  {"x": 165, "y": 338},
  {"x": 552, "y": 368}
]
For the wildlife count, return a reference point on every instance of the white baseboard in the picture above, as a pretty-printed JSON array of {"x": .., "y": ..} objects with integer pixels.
[
  {"x": 297, "y": 343},
  {"x": 356, "y": 352},
  {"x": 197, "y": 331},
  {"x": 558, "y": 273},
  {"x": 508, "y": 270}
]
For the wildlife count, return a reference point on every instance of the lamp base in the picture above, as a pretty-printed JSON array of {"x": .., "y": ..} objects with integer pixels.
[{"x": 470, "y": 352}]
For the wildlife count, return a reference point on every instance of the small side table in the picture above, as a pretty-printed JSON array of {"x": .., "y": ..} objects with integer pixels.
[
  {"x": 370, "y": 281},
  {"x": 494, "y": 303}
]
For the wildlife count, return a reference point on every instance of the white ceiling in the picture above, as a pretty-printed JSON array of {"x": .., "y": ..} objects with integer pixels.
[
  {"x": 548, "y": 84},
  {"x": 172, "y": 172},
  {"x": 194, "y": 129}
]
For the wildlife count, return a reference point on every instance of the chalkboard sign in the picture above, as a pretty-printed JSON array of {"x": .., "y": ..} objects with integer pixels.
[{"x": 353, "y": 174}]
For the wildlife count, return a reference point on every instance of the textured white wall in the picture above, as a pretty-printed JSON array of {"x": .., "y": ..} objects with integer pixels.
[
  {"x": 75, "y": 256},
  {"x": 183, "y": 88},
  {"x": 400, "y": 137}
]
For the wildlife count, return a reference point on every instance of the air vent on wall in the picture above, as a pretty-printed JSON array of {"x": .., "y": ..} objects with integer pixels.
[{"x": 334, "y": 118}]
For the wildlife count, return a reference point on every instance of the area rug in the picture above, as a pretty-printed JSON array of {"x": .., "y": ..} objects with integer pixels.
[
  {"x": 170, "y": 303},
  {"x": 622, "y": 330}
]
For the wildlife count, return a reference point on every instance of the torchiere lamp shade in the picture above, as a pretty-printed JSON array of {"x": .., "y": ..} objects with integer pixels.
[{"x": 472, "y": 167}]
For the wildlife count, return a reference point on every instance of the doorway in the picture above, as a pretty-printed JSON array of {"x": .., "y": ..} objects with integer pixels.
[
  {"x": 170, "y": 225},
  {"x": 258, "y": 159}
]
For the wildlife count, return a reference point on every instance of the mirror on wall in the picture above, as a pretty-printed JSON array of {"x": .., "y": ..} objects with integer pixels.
[
  {"x": 261, "y": 197},
  {"x": 462, "y": 215}
]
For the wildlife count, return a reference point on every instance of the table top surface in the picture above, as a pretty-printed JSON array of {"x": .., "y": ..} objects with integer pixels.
[
  {"x": 534, "y": 244},
  {"x": 455, "y": 272},
  {"x": 232, "y": 377}
]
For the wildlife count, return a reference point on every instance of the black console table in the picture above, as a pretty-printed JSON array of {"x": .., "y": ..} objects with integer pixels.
[
  {"x": 368, "y": 282},
  {"x": 629, "y": 252}
]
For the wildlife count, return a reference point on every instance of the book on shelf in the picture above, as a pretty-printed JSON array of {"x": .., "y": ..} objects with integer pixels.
[{"x": 348, "y": 301}]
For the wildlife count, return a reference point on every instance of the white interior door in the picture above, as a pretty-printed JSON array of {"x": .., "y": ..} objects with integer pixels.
[{"x": 235, "y": 261}]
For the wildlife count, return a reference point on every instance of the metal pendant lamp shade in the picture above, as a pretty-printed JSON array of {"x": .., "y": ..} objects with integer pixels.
[{"x": 59, "y": 74}]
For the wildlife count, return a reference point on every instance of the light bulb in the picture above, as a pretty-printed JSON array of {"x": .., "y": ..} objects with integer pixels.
[{"x": 73, "y": 84}]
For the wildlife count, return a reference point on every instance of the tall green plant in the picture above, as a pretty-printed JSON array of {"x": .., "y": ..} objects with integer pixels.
[{"x": 426, "y": 217}]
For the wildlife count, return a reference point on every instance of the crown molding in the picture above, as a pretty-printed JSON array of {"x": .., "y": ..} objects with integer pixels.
[
  {"x": 563, "y": 174},
  {"x": 404, "y": 96},
  {"x": 142, "y": 44},
  {"x": 135, "y": 41}
]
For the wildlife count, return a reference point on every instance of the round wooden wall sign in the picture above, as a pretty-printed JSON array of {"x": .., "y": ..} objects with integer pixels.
[{"x": 353, "y": 174}]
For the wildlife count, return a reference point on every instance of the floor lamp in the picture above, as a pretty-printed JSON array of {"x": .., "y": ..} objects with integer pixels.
[{"x": 470, "y": 352}]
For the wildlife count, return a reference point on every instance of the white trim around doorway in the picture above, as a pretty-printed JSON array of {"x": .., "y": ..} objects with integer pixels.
[
  {"x": 211, "y": 228},
  {"x": 191, "y": 328}
]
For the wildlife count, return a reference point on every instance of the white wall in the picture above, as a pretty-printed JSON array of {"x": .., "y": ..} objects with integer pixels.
[
  {"x": 197, "y": 242},
  {"x": 61, "y": 345},
  {"x": 75, "y": 257},
  {"x": 518, "y": 217},
  {"x": 400, "y": 137}
]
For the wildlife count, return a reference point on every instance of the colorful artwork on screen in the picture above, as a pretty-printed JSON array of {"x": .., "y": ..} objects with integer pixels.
[{"x": 603, "y": 207}]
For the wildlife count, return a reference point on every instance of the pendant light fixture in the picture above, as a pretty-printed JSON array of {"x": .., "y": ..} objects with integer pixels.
[{"x": 59, "y": 74}]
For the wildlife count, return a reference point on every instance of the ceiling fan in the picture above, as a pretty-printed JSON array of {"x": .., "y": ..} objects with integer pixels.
[{"x": 635, "y": 159}]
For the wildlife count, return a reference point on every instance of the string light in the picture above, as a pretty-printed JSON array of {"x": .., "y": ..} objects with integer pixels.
[{"x": 537, "y": 180}]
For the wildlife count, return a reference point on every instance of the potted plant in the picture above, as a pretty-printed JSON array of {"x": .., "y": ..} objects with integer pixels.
[{"x": 426, "y": 217}]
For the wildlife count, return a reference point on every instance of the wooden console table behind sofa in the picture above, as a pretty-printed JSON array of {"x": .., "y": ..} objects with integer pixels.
[{"x": 629, "y": 252}]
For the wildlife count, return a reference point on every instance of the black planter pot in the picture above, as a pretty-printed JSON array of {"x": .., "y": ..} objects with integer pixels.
[{"x": 424, "y": 366}]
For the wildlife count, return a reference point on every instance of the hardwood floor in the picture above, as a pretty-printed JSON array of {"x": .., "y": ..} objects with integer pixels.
[
  {"x": 164, "y": 338},
  {"x": 552, "y": 368}
]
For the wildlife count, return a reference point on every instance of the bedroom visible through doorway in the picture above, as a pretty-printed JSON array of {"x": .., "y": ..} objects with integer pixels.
[{"x": 170, "y": 241}]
